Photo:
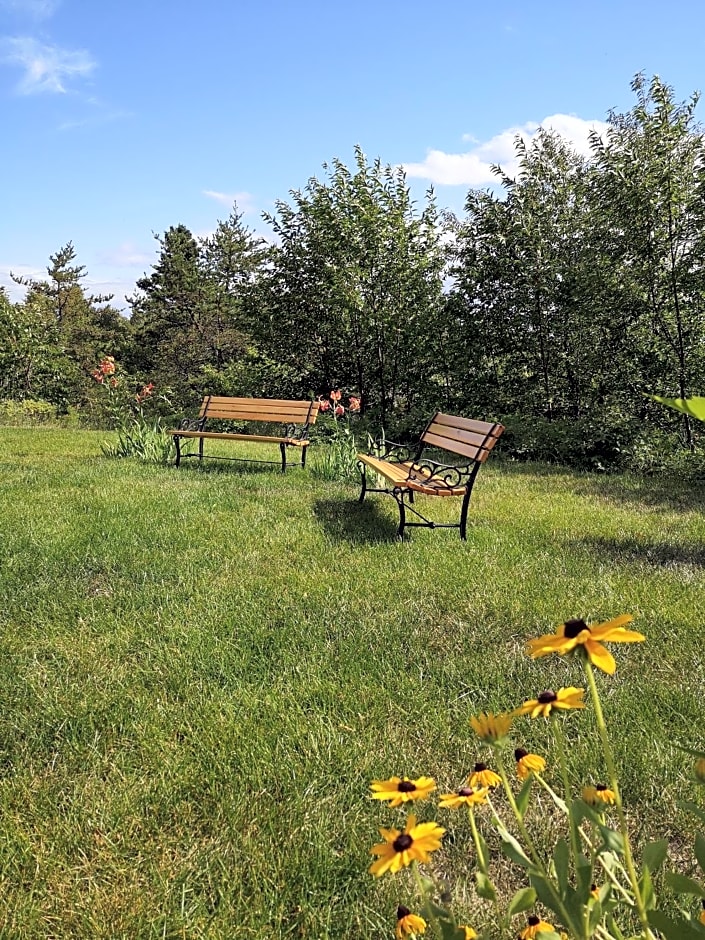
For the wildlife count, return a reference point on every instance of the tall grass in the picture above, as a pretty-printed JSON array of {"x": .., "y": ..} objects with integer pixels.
[{"x": 201, "y": 669}]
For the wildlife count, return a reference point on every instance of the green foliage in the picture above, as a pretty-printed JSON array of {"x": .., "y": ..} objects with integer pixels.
[
  {"x": 27, "y": 412},
  {"x": 146, "y": 441}
]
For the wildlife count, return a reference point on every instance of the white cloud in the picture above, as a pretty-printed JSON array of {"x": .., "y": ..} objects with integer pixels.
[
  {"x": 37, "y": 9},
  {"x": 474, "y": 167},
  {"x": 245, "y": 201},
  {"x": 47, "y": 68},
  {"x": 15, "y": 291},
  {"x": 126, "y": 255}
]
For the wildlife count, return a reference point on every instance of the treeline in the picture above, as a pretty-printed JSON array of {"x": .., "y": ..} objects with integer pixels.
[{"x": 554, "y": 304}]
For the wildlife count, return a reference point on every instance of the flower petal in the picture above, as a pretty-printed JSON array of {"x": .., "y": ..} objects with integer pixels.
[{"x": 601, "y": 657}]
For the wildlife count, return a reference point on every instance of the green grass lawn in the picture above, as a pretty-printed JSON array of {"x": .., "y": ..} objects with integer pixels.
[{"x": 202, "y": 669}]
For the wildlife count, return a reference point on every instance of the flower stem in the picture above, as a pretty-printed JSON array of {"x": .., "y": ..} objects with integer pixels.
[
  {"x": 559, "y": 740},
  {"x": 614, "y": 784}
]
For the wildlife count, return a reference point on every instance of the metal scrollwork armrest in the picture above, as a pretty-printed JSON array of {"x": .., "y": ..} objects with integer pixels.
[
  {"x": 296, "y": 432},
  {"x": 442, "y": 474},
  {"x": 394, "y": 453},
  {"x": 191, "y": 424}
]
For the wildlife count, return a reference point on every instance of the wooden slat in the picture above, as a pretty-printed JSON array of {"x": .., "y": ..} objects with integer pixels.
[
  {"x": 226, "y": 436},
  {"x": 401, "y": 475},
  {"x": 277, "y": 410},
  {"x": 470, "y": 451},
  {"x": 467, "y": 424},
  {"x": 456, "y": 434}
]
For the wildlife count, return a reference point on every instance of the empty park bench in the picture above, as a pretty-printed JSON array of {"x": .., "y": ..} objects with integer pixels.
[
  {"x": 294, "y": 418},
  {"x": 412, "y": 469}
]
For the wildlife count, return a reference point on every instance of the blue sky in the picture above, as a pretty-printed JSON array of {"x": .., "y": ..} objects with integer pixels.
[{"x": 121, "y": 119}]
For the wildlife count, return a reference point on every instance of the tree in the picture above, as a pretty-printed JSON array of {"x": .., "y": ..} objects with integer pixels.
[{"x": 354, "y": 293}]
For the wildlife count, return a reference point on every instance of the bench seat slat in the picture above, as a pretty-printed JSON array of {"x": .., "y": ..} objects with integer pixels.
[
  {"x": 228, "y": 436},
  {"x": 402, "y": 475}
]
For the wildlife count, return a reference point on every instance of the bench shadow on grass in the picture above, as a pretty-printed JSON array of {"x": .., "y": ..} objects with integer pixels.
[
  {"x": 235, "y": 467},
  {"x": 347, "y": 520}
]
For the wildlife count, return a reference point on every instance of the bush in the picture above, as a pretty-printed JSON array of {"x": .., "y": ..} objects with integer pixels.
[{"x": 27, "y": 413}]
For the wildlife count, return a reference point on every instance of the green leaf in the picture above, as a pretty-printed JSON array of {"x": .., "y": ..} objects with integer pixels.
[
  {"x": 674, "y": 928},
  {"x": 700, "y": 851},
  {"x": 511, "y": 848},
  {"x": 524, "y": 795},
  {"x": 695, "y": 809},
  {"x": 611, "y": 841},
  {"x": 681, "y": 884},
  {"x": 483, "y": 853},
  {"x": 654, "y": 854},
  {"x": 561, "y": 862},
  {"x": 693, "y": 407},
  {"x": 485, "y": 888},
  {"x": 646, "y": 890},
  {"x": 523, "y": 900}
]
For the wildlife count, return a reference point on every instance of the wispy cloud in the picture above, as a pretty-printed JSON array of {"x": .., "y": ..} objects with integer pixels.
[
  {"x": 474, "y": 167},
  {"x": 245, "y": 201},
  {"x": 46, "y": 68},
  {"x": 126, "y": 255},
  {"x": 37, "y": 9}
]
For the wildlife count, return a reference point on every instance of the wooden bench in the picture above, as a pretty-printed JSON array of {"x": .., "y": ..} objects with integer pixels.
[
  {"x": 410, "y": 469},
  {"x": 295, "y": 417}
]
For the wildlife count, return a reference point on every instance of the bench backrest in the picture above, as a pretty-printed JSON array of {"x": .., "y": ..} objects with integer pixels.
[
  {"x": 465, "y": 436},
  {"x": 276, "y": 410}
]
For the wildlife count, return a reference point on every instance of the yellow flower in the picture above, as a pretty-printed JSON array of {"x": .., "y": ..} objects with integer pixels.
[
  {"x": 482, "y": 776},
  {"x": 534, "y": 926},
  {"x": 528, "y": 763},
  {"x": 566, "y": 698},
  {"x": 400, "y": 849},
  {"x": 490, "y": 727},
  {"x": 574, "y": 633},
  {"x": 594, "y": 892},
  {"x": 469, "y": 932},
  {"x": 702, "y": 913},
  {"x": 597, "y": 796},
  {"x": 400, "y": 789},
  {"x": 408, "y": 924},
  {"x": 466, "y": 796}
]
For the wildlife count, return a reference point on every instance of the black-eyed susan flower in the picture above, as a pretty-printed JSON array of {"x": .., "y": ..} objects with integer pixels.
[
  {"x": 533, "y": 927},
  {"x": 702, "y": 913},
  {"x": 594, "y": 892},
  {"x": 528, "y": 763},
  {"x": 490, "y": 727},
  {"x": 482, "y": 776},
  {"x": 576, "y": 633},
  {"x": 408, "y": 924},
  {"x": 547, "y": 700},
  {"x": 470, "y": 934},
  {"x": 597, "y": 796},
  {"x": 400, "y": 849},
  {"x": 466, "y": 796},
  {"x": 400, "y": 790}
]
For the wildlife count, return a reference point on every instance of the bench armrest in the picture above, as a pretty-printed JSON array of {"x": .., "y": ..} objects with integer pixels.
[
  {"x": 192, "y": 424},
  {"x": 391, "y": 451},
  {"x": 441, "y": 474},
  {"x": 297, "y": 432}
]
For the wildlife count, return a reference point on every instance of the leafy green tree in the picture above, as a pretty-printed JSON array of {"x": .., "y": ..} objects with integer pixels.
[
  {"x": 652, "y": 184},
  {"x": 354, "y": 294}
]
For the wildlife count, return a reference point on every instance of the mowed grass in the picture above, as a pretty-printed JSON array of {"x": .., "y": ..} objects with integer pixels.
[{"x": 202, "y": 669}]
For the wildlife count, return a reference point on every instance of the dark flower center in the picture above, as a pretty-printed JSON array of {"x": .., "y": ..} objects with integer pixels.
[
  {"x": 406, "y": 786},
  {"x": 572, "y": 628},
  {"x": 478, "y": 768},
  {"x": 600, "y": 787},
  {"x": 465, "y": 791},
  {"x": 533, "y": 920},
  {"x": 402, "y": 842},
  {"x": 546, "y": 697},
  {"x": 402, "y": 912},
  {"x": 520, "y": 753}
]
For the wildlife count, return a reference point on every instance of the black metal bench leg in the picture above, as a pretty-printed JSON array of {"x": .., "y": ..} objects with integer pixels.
[
  {"x": 177, "y": 442},
  {"x": 364, "y": 482},
  {"x": 200, "y": 449},
  {"x": 282, "y": 448},
  {"x": 303, "y": 456},
  {"x": 402, "y": 513}
]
